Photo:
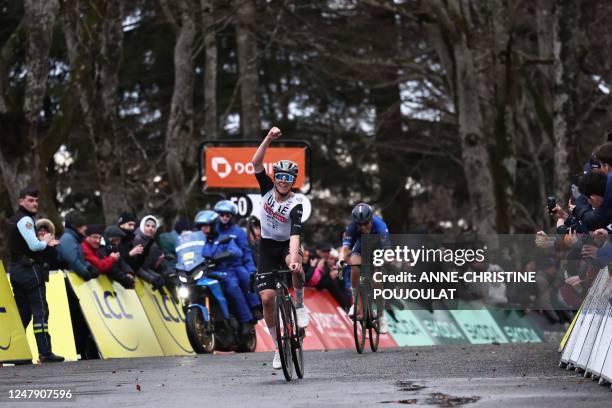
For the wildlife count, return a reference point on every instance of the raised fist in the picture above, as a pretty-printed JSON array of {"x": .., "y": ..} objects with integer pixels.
[{"x": 274, "y": 133}]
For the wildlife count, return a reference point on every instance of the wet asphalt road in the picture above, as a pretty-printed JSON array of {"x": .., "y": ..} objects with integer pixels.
[{"x": 470, "y": 376}]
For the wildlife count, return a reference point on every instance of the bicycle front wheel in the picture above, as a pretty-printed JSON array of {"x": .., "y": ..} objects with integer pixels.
[
  {"x": 359, "y": 319},
  {"x": 373, "y": 324},
  {"x": 296, "y": 343},
  {"x": 283, "y": 336}
]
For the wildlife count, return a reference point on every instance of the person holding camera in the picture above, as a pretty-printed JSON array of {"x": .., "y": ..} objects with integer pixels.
[{"x": 29, "y": 269}]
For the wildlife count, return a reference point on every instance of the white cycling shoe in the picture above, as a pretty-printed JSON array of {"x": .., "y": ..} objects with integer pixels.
[
  {"x": 302, "y": 317},
  {"x": 383, "y": 325},
  {"x": 351, "y": 311},
  {"x": 276, "y": 363}
]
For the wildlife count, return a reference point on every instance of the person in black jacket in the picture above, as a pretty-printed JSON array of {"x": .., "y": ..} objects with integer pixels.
[
  {"x": 150, "y": 265},
  {"x": 29, "y": 269},
  {"x": 121, "y": 271}
]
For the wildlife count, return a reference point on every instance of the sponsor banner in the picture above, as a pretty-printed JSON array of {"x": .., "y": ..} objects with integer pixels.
[
  {"x": 13, "y": 342},
  {"x": 517, "y": 328},
  {"x": 116, "y": 319},
  {"x": 581, "y": 327},
  {"x": 384, "y": 340},
  {"x": 479, "y": 326},
  {"x": 327, "y": 329},
  {"x": 60, "y": 321},
  {"x": 166, "y": 317},
  {"x": 441, "y": 327},
  {"x": 407, "y": 330},
  {"x": 231, "y": 167}
]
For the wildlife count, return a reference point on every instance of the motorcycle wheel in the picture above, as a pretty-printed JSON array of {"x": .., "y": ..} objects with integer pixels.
[{"x": 200, "y": 333}]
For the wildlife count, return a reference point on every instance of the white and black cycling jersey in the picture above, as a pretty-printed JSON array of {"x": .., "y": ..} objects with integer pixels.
[{"x": 279, "y": 221}]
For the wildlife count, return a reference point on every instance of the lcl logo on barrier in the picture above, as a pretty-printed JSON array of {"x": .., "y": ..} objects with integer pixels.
[
  {"x": 109, "y": 313},
  {"x": 165, "y": 311}
]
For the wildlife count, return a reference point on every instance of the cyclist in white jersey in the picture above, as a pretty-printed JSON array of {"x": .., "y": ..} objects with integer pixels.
[{"x": 281, "y": 228}]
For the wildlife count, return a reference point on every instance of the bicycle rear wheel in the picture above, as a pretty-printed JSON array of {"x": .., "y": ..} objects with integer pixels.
[
  {"x": 283, "y": 336},
  {"x": 359, "y": 319},
  {"x": 373, "y": 324},
  {"x": 296, "y": 343}
]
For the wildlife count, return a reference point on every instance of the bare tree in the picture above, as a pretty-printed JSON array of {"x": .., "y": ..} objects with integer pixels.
[
  {"x": 20, "y": 163},
  {"x": 455, "y": 49},
  {"x": 565, "y": 71},
  {"x": 250, "y": 121},
  {"x": 95, "y": 49},
  {"x": 211, "y": 126},
  {"x": 179, "y": 131}
]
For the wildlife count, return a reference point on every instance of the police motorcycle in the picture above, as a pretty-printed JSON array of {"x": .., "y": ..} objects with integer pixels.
[{"x": 209, "y": 323}]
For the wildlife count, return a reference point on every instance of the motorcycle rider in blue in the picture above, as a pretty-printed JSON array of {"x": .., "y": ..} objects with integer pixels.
[
  {"x": 246, "y": 267},
  {"x": 213, "y": 247}
]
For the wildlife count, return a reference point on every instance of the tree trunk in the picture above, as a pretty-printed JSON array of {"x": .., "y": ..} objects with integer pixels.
[
  {"x": 96, "y": 79},
  {"x": 19, "y": 161},
  {"x": 475, "y": 157},
  {"x": 109, "y": 154},
  {"x": 565, "y": 82},
  {"x": 179, "y": 132},
  {"x": 211, "y": 126},
  {"x": 250, "y": 121}
]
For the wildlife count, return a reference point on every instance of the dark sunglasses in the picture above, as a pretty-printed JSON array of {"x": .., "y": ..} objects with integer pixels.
[{"x": 286, "y": 177}]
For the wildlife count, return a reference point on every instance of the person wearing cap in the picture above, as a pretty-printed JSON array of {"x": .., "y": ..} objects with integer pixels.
[
  {"x": 71, "y": 251},
  {"x": 121, "y": 271},
  {"x": 29, "y": 271},
  {"x": 45, "y": 226},
  {"x": 91, "y": 250}
]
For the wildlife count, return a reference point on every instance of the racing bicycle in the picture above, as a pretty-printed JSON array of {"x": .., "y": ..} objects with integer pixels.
[{"x": 289, "y": 336}]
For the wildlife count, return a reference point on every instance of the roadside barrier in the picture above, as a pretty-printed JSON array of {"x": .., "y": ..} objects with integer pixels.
[
  {"x": 587, "y": 349},
  {"x": 143, "y": 323},
  {"x": 116, "y": 318},
  {"x": 13, "y": 342},
  {"x": 60, "y": 321}
]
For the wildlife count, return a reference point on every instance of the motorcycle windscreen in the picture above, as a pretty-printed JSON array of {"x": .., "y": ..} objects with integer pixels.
[{"x": 189, "y": 250}]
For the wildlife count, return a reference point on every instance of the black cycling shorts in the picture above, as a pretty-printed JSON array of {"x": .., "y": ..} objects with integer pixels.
[{"x": 272, "y": 256}]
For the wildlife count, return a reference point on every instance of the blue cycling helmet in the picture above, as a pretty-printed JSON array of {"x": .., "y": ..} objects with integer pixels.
[
  {"x": 226, "y": 206},
  {"x": 362, "y": 213},
  {"x": 206, "y": 217}
]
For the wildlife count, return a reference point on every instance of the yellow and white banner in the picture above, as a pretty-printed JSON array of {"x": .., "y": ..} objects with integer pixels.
[
  {"x": 116, "y": 318},
  {"x": 13, "y": 343},
  {"x": 166, "y": 318}
]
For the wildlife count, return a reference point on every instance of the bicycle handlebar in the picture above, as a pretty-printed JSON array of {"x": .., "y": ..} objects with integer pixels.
[{"x": 274, "y": 271}]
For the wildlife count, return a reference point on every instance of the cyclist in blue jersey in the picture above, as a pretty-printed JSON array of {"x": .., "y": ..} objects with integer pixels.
[{"x": 364, "y": 222}]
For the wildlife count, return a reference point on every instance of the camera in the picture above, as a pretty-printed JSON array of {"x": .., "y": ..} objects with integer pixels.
[
  {"x": 112, "y": 248},
  {"x": 551, "y": 203}
]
